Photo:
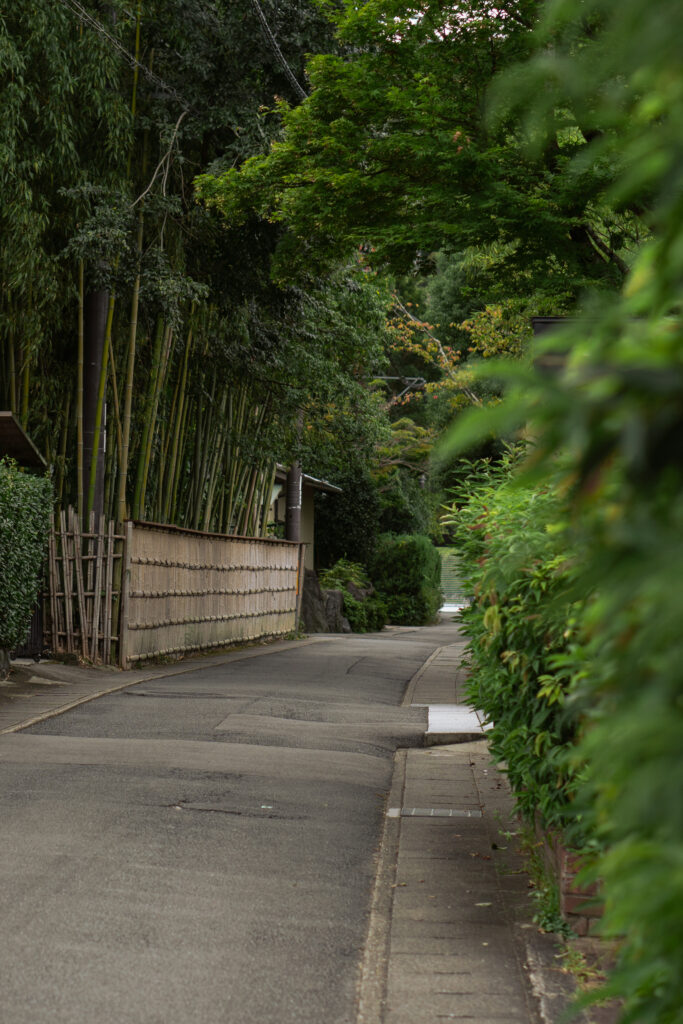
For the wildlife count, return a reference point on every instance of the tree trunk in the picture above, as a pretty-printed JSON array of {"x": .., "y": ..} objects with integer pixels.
[{"x": 96, "y": 306}]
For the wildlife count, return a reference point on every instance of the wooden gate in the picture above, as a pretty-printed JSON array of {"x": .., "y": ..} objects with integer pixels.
[{"x": 84, "y": 580}]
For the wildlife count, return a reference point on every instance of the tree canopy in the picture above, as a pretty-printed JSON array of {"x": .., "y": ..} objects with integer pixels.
[{"x": 399, "y": 151}]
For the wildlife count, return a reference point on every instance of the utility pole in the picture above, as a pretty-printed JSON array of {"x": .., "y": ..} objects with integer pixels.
[
  {"x": 293, "y": 491},
  {"x": 293, "y": 503}
]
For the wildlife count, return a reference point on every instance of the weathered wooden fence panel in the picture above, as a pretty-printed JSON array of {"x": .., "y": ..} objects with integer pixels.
[
  {"x": 83, "y": 594},
  {"x": 186, "y": 591}
]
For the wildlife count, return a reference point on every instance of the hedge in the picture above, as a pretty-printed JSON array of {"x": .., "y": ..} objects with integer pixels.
[
  {"x": 406, "y": 572},
  {"x": 576, "y": 651},
  {"x": 25, "y": 508}
]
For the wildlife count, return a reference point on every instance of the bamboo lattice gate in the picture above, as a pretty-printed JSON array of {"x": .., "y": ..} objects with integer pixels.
[
  {"x": 84, "y": 588},
  {"x": 173, "y": 591}
]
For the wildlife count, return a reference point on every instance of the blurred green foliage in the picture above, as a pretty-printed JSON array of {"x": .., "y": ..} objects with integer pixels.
[{"x": 604, "y": 406}]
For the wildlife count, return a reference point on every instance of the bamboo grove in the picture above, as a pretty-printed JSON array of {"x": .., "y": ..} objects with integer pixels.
[{"x": 143, "y": 345}]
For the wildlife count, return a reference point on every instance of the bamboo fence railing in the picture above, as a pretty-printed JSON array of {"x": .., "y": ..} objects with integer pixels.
[
  {"x": 180, "y": 590},
  {"x": 185, "y": 590}
]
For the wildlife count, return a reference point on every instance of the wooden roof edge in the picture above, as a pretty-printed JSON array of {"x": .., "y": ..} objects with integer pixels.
[{"x": 15, "y": 442}]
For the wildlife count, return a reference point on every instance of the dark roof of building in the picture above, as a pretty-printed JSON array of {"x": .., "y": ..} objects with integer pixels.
[
  {"x": 308, "y": 481},
  {"x": 15, "y": 442}
]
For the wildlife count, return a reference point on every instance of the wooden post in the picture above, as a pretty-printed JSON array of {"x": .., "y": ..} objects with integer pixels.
[
  {"x": 66, "y": 579},
  {"x": 97, "y": 589},
  {"x": 108, "y": 596},
  {"x": 293, "y": 503},
  {"x": 54, "y": 587},
  {"x": 80, "y": 591},
  {"x": 300, "y": 577},
  {"x": 125, "y": 594}
]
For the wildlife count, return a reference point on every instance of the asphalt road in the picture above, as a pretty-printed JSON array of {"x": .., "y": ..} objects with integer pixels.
[{"x": 200, "y": 848}]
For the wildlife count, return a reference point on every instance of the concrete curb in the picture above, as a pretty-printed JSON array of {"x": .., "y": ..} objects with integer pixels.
[
  {"x": 372, "y": 984},
  {"x": 412, "y": 685}
]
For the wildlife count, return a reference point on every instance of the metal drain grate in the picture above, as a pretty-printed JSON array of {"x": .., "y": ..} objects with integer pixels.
[{"x": 431, "y": 812}]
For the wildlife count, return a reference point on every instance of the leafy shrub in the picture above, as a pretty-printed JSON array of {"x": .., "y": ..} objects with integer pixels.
[
  {"x": 343, "y": 572},
  {"x": 366, "y": 615},
  {"x": 513, "y": 551},
  {"x": 25, "y": 506},
  {"x": 406, "y": 506},
  {"x": 406, "y": 572}
]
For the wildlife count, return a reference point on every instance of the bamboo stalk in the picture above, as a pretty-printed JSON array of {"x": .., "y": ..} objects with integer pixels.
[
  {"x": 99, "y": 409},
  {"x": 11, "y": 359},
  {"x": 66, "y": 574},
  {"x": 26, "y": 366},
  {"x": 168, "y": 338},
  {"x": 115, "y": 400},
  {"x": 61, "y": 462},
  {"x": 219, "y": 446},
  {"x": 25, "y": 382},
  {"x": 179, "y": 464},
  {"x": 147, "y": 416},
  {"x": 79, "y": 389},
  {"x": 130, "y": 375},
  {"x": 178, "y": 424}
]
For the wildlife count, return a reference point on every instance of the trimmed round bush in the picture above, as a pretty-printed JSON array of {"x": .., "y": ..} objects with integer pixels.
[{"x": 406, "y": 572}]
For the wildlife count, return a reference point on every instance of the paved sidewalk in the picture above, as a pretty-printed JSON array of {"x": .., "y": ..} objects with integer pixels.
[
  {"x": 447, "y": 943},
  {"x": 440, "y": 686},
  {"x": 451, "y": 935},
  {"x": 454, "y": 952}
]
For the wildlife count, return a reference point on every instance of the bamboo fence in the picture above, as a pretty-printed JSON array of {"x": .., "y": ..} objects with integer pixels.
[
  {"x": 83, "y": 592},
  {"x": 184, "y": 590}
]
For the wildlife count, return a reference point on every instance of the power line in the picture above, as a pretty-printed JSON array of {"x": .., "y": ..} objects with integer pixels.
[
  {"x": 88, "y": 19},
  {"x": 277, "y": 51}
]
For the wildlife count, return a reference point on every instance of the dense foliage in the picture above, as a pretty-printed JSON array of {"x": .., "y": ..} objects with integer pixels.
[
  {"x": 406, "y": 572},
  {"x": 391, "y": 153},
  {"x": 518, "y": 572},
  {"x": 125, "y": 306},
  {"x": 25, "y": 510},
  {"x": 606, "y": 416}
]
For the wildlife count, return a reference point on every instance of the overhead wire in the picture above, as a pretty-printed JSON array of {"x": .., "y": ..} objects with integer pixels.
[
  {"x": 272, "y": 42},
  {"x": 75, "y": 7},
  {"x": 88, "y": 19}
]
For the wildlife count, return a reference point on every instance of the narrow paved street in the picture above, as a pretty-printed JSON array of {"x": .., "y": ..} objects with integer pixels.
[{"x": 201, "y": 846}]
